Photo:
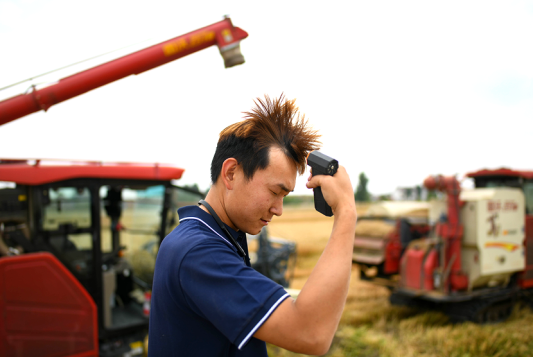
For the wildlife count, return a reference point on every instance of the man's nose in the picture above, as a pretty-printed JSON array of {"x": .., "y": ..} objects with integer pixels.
[{"x": 278, "y": 207}]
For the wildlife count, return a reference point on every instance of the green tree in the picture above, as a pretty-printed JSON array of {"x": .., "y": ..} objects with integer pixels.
[{"x": 361, "y": 193}]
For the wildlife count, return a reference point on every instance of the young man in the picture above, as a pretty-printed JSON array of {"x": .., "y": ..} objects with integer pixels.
[{"x": 206, "y": 299}]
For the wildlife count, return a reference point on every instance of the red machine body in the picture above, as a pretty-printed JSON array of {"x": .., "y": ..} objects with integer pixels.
[
  {"x": 412, "y": 262},
  {"x": 393, "y": 253},
  {"x": 223, "y": 34},
  {"x": 52, "y": 316},
  {"x": 525, "y": 279},
  {"x": 451, "y": 231},
  {"x": 394, "y": 248}
]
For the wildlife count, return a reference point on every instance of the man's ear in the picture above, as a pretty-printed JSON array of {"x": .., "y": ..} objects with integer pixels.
[{"x": 228, "y": 172}]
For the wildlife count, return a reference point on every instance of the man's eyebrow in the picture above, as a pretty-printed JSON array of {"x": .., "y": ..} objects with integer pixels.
[{"x": 283, "y": 187}]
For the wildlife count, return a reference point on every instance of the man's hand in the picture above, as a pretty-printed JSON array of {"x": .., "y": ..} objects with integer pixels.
[{"x": 337, "y": 190}]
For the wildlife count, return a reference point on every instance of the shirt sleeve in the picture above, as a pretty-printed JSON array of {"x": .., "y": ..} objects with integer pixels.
[{"x": 235, "y": 298}]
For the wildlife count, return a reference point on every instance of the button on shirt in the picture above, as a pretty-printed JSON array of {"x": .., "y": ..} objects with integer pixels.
[{"x": 205, "y": 300}]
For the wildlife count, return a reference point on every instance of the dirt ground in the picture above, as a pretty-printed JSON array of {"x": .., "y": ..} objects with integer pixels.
[{"x": 370, "y": 326}]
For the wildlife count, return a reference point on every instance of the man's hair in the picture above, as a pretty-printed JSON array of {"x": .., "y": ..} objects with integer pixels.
[{"x": 271, "y": 123}]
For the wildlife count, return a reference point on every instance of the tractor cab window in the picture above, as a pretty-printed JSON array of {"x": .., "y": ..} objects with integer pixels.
[
  {"x": 498, "y": 183},
  {"x": 66, "y": 226},
  {"x": 14, "y": 228},
  {"x": 130, "y": 217},
  {"x": 66, "y": 205},
  {"x": 132, "y": 212},
  {"x": 181, "y": 196},
  {"x": 527, "y": 190},
  {"x": 509, "y": 182},
  {"x": 130, "y": 225}
]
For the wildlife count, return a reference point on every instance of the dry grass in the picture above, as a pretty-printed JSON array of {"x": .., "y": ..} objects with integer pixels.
[{"x": 370, "y": 326}]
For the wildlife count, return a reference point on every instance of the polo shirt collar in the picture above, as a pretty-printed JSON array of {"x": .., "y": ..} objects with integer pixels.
[{"x": 196, "y": 212}]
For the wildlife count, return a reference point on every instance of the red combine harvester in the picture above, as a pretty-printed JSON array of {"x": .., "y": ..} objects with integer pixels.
[
  {"x": 77, "y": 238},
  {"x": 477, "y": 260}
]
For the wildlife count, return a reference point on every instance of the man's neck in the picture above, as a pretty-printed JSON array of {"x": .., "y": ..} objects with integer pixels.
[{"x": 216, "y": 201}]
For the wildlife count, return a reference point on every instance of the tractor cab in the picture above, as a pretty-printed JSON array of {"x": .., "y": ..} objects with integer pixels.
[{"x": 104, "y": 223}]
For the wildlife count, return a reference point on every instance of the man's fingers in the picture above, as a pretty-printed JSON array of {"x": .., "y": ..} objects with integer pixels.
[
  {"x": 314, "y": 182},
  {"x": 337, "y": 190}
]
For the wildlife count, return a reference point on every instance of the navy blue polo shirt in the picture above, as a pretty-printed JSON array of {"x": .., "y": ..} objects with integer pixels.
[{"x": 205, "y": 300}]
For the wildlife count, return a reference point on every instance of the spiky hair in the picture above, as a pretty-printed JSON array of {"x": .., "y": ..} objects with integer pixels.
[{"x": 271, "y": 123}]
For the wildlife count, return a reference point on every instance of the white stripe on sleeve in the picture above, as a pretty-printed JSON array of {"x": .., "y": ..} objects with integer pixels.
[{"x": 262, "y": 320}]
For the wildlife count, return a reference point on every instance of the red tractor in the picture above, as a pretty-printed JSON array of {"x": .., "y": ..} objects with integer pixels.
[
  {"x": 78, "y": 240},
  {"x": 477, "y": 259}
]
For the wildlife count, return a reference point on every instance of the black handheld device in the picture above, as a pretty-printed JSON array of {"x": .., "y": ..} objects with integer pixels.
[{"x": 322, "y": 165}]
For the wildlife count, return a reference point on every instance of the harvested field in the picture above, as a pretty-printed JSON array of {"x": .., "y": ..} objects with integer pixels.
[{"x": 370, "y": 326}]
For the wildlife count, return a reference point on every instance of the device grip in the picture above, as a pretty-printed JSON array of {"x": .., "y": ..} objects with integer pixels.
[{"x": 320, "y": 204}]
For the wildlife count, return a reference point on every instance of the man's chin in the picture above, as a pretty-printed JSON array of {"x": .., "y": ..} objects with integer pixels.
[{"x": 254, "y": 231}]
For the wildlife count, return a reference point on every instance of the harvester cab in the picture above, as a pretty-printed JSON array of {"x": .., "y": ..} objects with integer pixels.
[
  {"x": 103, "y": 229},
  {"x": 522, "y": 180},
  {"x": 506, "y": 178}
]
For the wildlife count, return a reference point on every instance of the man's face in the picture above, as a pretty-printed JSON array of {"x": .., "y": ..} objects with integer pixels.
[{"x": 252, "y": 204}]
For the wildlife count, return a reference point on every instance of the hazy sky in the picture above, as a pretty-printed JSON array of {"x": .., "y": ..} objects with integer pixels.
[{"x": 398, "y": 89}]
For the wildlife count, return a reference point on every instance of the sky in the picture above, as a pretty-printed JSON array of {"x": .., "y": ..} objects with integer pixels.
[{"x": 398, "y": 90}]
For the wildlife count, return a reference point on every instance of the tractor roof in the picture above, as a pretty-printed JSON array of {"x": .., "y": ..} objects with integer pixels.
[
  {"x": 527, "y": 174},
  {"x": 36, "y": 172}
]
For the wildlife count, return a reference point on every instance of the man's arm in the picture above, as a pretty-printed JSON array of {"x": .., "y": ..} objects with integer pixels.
[{"x": 308, "y": 324}]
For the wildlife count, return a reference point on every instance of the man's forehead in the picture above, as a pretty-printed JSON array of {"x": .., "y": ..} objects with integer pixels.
[{"x": 281, "y": 171}]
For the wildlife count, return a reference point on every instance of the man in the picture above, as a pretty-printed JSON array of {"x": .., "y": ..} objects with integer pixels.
[{"x": 206, "y": 299}]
